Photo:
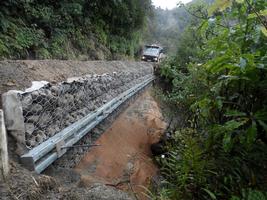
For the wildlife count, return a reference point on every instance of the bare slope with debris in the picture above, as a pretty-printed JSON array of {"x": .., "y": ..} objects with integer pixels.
[{"x": 24, "y": 184}]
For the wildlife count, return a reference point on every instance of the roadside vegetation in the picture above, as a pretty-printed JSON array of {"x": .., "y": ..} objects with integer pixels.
[
  {"x": 66, "y": 29},
  {"x": 165, "y": 26},
  {"x": 218, "y": 77}
]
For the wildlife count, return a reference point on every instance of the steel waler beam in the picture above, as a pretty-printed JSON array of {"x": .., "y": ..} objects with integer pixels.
[{"x": 40, "y": 157}]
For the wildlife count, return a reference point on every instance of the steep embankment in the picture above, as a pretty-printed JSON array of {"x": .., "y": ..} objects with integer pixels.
[
  {"x": 83, "y": 30},
  {"x": 124, "y": 158},
  {"x": 18, "y": 75},
  {"x": 132, "y": 138}
]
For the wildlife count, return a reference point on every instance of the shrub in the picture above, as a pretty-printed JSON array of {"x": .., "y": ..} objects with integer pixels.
[{"x": 224, "y": 87}]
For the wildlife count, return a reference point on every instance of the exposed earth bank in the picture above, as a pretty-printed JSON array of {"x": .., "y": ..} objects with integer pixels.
[
  {"x": 123, "y": 159},
  {"x": 118, "y": 169}
]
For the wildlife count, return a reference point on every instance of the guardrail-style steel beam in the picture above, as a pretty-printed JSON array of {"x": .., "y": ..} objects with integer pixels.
[{"x": 40, "y": 157}]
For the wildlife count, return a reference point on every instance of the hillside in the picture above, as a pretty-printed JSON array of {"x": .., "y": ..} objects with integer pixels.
[{"x": 68, "y": 29}]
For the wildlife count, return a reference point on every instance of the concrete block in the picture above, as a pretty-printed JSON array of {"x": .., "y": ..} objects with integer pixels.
[{"x": 14, "y": 120}]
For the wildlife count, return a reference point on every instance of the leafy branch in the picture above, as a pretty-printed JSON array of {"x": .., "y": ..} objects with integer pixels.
[{"x": 257, "y": 14}]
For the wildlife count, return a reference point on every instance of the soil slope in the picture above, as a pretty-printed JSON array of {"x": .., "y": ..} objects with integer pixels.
[{"x": 124, "y": 158}]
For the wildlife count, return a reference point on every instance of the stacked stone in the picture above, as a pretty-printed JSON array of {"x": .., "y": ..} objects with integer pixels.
[
  {"x": 74, "y": 155},
  {"x": 52, "y": 108}
]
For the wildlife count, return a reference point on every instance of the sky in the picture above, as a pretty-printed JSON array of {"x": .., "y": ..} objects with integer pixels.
[{"x": 168, "y": 3}]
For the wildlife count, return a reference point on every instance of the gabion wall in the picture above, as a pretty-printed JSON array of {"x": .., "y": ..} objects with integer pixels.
[
  {"x": 74, "y": 155},
  {"x": 54, "y": 107}
]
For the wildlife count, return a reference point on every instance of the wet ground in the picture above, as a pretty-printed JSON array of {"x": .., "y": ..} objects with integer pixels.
[{"x": 123, "y": 160}]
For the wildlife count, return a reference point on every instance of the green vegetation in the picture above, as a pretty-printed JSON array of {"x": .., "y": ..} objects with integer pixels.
[
  {"x": 165, "y": 26},
  {"x": 68, "y": 29},
  {"x": 219, "y": 77}
]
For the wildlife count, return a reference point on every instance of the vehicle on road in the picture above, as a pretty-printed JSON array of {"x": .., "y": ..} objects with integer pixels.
[{"x": 152, "y": 53}]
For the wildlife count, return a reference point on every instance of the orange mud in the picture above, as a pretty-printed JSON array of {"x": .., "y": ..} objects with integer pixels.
[{"x": 124, "y": 158}]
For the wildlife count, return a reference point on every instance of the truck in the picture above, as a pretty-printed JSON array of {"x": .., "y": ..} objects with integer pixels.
[{"x": 152, "y": 53}]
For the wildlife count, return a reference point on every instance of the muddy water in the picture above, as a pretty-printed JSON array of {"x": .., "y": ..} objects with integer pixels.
[{"x": 124, "y": 158}]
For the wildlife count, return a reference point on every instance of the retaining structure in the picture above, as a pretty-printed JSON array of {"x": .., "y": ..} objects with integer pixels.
[{"x": 48, "y": 118}]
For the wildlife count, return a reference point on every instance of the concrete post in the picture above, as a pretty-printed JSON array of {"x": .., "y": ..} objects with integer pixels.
[
  {"x": 14, "y": 120},
  {"x": 4, "y": 166}
]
